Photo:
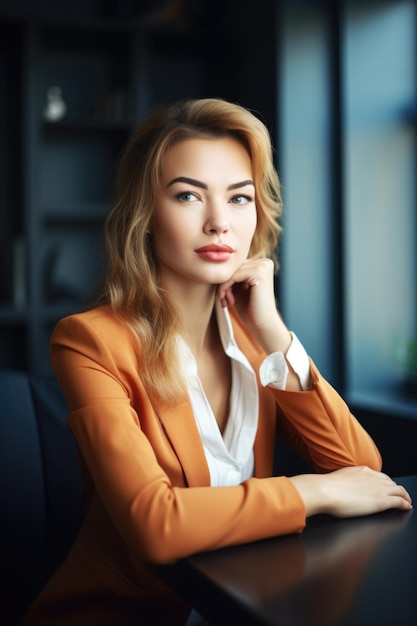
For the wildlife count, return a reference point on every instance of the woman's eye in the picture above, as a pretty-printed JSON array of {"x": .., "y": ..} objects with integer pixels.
[
  {"x": 186, "y": 196},
  {"x": 242, "y": 199}
]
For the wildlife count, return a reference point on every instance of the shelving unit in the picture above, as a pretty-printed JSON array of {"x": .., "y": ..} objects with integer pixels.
[
  {"x": 108, "y": 73},
  {"x": 70, "y": 161}
]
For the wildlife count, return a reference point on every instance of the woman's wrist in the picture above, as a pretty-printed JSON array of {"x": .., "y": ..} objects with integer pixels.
[{"x": 274, "y": 336}]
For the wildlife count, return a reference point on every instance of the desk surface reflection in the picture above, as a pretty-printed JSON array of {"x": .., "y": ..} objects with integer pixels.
[{"x": 354, "y": 572}]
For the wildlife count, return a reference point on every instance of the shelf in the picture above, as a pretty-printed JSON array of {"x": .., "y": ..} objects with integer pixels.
[
  {"x": 75, "y": 214},
  {"x": 119, "y": 20},
  {"x": 54, "y": 312},
  {"x": 79, "y": 123},
  {"x": 10, "y": 315}
]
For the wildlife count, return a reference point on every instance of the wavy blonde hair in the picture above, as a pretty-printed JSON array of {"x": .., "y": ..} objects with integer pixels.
[{"x": 130, "y": 286}]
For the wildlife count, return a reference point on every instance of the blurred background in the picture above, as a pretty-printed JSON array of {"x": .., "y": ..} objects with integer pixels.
[{"x": 335, "y": 82}]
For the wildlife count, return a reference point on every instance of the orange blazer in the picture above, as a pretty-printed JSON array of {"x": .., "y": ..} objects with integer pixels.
[{"x": 146, "y": 481}]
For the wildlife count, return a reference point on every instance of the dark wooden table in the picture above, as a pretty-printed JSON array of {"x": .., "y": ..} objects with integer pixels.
[{"x": 354, "y": 572}]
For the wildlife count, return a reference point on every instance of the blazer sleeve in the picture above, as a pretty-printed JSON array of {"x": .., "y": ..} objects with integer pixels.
[
  {"x": 319, "y": 426},
  {"x": 160, "y": 522},
  {"x": 316, "y": 424}
]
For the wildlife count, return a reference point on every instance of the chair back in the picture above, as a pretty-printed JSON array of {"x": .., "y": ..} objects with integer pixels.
[{"x": 40, "y": 492}]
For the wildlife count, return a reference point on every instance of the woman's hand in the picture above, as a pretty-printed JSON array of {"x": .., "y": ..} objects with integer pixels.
[
  {"x": 350, "y": 492},
  {"x": 251, "y": 291}
]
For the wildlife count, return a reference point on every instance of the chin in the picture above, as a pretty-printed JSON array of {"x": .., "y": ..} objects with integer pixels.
[{"x": 218, "y": 275}]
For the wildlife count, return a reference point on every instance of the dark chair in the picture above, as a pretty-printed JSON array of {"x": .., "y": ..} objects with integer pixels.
[{"x": 39, "y": 486}]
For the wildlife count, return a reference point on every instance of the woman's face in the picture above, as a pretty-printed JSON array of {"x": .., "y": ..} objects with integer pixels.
[{"x": 205, "y": 213}]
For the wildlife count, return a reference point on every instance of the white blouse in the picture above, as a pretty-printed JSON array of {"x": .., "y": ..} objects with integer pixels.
[{"x": 230, "y": 457}]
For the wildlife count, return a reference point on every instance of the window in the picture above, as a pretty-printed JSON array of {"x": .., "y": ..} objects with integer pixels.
[{"x": 347, "y": 159}]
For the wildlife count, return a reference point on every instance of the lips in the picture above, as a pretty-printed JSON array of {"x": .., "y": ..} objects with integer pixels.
[
  {"x": 215, "y": 247},
  {"x": 215, "y": 252}
]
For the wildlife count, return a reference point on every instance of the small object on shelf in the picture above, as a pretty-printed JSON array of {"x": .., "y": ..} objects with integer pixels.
[{"x": 55, "y": 108}]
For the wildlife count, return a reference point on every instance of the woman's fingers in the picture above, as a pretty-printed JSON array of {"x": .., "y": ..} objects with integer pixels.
[
  {"x": 351, "y": 492},
  {"x": 401, "y": 496}
]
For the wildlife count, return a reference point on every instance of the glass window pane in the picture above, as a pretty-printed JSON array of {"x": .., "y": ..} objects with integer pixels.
[{"x": 380, "y": 204}]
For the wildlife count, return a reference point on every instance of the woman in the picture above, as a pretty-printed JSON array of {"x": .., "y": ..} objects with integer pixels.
[{"x": 184, "y": 375}]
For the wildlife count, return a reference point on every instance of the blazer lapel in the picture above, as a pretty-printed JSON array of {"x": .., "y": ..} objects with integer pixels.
[{"x": 181, "y": 428}]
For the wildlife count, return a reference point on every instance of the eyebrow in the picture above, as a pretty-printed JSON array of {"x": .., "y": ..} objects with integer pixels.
[{"x": 198, "y": 183}]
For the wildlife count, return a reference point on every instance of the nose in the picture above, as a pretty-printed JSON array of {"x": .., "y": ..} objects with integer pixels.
[{"x": 216, "y": 219}]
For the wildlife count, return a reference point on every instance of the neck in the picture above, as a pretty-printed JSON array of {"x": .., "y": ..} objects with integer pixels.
[{"x": 197, "y": 319}]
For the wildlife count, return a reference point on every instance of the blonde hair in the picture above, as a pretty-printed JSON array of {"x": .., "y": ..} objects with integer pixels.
[{"x": 131, "y": 286}]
